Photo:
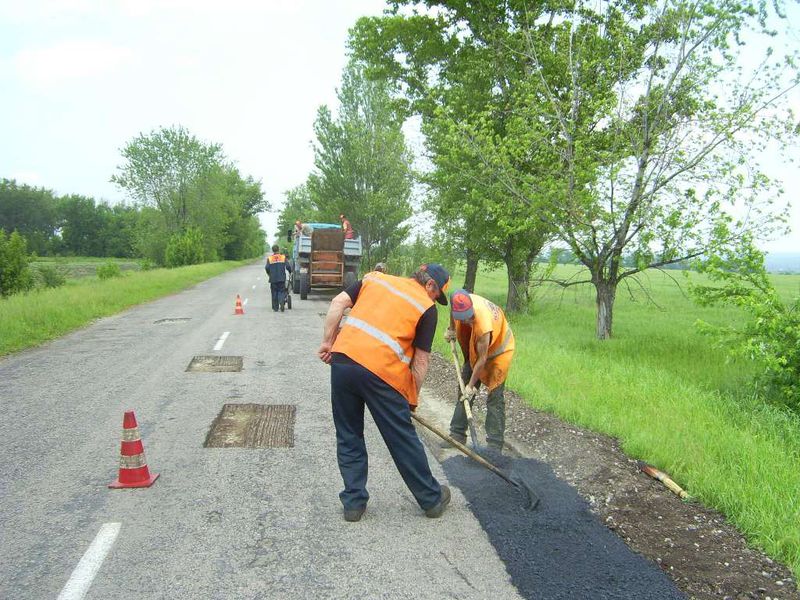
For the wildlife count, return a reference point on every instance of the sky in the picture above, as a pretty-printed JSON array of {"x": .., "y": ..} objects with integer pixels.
[{"x": 80, "y": 78}]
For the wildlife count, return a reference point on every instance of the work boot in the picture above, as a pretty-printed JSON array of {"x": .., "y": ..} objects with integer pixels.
[
  {"x": 437, "y": 510},
  {"x": 354, "y": 514}
]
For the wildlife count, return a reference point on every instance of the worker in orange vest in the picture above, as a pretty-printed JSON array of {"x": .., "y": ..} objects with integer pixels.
[
  {"x": 348, "y": 229},
  {"x": 487, "y": 343},
  {"x": 276, "y": 268},
  {"x": 379, "y": 359}
]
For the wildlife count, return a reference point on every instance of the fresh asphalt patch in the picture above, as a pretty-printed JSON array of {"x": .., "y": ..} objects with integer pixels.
[{"x": 559, "y": 549}]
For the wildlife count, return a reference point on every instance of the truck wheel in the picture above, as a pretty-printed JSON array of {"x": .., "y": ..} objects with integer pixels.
[
  {"x": 304, "y": 286},
  {"x": 349, "y": 279},
  {"x": 295, "y": 282}
]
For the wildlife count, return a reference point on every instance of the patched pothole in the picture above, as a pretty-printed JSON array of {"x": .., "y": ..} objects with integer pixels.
[
  {"x": 252, "y": 426},
  {"x": 215, "y": 364},
  {"x": 171, "y": 320}
]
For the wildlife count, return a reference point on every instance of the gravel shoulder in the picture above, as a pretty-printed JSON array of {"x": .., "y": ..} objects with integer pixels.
[{"x": 704, "y": 555}]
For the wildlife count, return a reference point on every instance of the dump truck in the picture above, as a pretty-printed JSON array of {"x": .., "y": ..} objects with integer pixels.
[{"x": 323, "y": 259}]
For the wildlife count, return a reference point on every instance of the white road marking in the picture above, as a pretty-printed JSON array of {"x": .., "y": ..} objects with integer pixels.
[
  {"x": 221, "y": 340},
  {"x": 254, "y": 287},
  {"x": 90, "y": 563},
  {"x": 245, "y": 302}
]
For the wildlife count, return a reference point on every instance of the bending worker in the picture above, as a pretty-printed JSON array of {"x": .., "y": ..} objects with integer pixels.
[
  {"x": 276, "y": 268},
  {"x": 379, "y": 358},
  {"x": 486, "y": 340},
  {"x": 347, "y": 228}
]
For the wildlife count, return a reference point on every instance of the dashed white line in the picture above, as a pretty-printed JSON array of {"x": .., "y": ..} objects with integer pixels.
[
  {"x": 245, "y": 302},
  {"x": 90, "y": 563},
  {"x": 254, "y": 287},
  {"x": 221, "y": 340}
]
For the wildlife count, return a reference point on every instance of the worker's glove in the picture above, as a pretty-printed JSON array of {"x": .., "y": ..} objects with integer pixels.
[
  {"x": 469, "y": 394},
  {"x": 449, "y": 335}
]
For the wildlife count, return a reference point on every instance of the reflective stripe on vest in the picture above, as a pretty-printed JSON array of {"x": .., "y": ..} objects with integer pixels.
[
  {"x": 503, "y": 346},
  {"x": 380, "y": 336},
  {"x": 396, "y": 292}
]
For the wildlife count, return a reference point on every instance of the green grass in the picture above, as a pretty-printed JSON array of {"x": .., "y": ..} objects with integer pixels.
[
  {"x": 28, "y": 320},
  {"x": 668, "y": 394}
]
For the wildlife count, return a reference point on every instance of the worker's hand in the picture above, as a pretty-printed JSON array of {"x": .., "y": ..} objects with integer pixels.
[
  {"x": 469, "y": 394},
  {"x": 449, "y": 335},
  {"x": 324, "y": 352}
]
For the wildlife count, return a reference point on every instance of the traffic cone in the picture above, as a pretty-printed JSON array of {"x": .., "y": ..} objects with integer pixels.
[
  {"x": 133, "y": 471},
  {"x": 239, "y": 308}
]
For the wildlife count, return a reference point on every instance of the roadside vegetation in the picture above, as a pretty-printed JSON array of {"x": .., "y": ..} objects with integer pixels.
[
  {"x": 668, "y": 393},
  {"x": 30, "y": 319}
]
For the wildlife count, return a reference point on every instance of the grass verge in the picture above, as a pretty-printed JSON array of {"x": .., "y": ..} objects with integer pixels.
[
  {"x": 27, "y": 320},
  {"x": 668, "y": 394}
]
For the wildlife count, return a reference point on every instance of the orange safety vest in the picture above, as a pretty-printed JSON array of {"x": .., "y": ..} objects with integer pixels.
[
  {"x": 489, "y": 318},
  {"x": 379, "y": 332}
]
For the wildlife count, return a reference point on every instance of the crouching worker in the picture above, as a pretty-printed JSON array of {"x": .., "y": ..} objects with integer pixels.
[
  {"x": 486, "y": 340},
  {"x": 379, "y": 359}
]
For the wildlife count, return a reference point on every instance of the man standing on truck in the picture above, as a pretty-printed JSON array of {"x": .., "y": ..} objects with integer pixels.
[
  {"x": 276, "y": 268},
  {"x": 379, "y": 359},
  {"x": 348, "y": 229}
]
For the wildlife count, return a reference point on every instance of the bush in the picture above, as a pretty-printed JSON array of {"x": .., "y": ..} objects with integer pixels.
[
  {"x": 49, "y": 276},
  {"x": 147, "y": 265},
  {"x": 185, "y": 248},
  {"x": 772, "y": 336},
  {"x": 109, "y": 270},
  {"x": 15, "y": 273}
]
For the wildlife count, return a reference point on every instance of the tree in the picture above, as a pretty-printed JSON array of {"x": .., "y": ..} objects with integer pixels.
[
  {"x": 655, "y": 125},
  {"x": 162, "y": 169},
  {"x": 453, "y": 70},
  {"x": 363, "y": 168},
  {"x": 298, "y": 206},
  {"x": 31, "y": 211}
]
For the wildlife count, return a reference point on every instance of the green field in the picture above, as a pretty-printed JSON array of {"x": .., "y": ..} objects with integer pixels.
[
  {"x": 30, "y": 319},
  {"x": 667, "y": 393},
  {"x": 77, "y": 267}
]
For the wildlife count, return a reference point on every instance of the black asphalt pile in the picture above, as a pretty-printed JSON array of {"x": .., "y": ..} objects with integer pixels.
[{"x": 560, "y": 549}]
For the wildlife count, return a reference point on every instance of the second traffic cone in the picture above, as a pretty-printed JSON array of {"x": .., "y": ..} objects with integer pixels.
[
  {"x": 239, "y": 308},
  {"x": 133, "y": 471}
]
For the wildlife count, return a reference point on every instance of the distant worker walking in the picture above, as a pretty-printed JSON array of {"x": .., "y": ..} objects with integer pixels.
[
  {"x": 379, "y": 358},
  {"x": 348, "y": 229},
  {"x": 276, "y": 268},
  {"x": 487, "y": 342}
]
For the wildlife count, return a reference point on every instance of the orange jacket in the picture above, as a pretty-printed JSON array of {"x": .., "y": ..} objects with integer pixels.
[
  {"x": 489, "y": 318},
  {"x": 379, "y": 332}
]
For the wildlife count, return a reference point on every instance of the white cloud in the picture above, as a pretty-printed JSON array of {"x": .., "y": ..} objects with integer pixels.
[
  {"x": 68, "y": 60},
  {"x": 29, "y": 177}
]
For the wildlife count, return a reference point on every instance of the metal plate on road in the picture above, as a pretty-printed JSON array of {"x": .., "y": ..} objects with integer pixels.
[
  {"x": 253, "y": 426},
  {"x": 215, "y": 364}
]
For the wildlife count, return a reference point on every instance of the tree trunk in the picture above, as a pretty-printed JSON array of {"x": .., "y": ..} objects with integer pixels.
[
  {"x": 472, "y": 270},
  {"x": 519, "y": 279},
  {"x": 606, "y": 293}
]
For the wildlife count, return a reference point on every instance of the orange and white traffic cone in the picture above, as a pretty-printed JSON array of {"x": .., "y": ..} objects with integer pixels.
[
  {"x": 239, "y": 310},
  {"x": 133, "y": 471}
]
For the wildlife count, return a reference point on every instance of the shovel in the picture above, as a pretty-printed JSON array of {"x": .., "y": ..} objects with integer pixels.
[
  {"x": 467, "y": 409},
  {"x": 531, "y": 499}
]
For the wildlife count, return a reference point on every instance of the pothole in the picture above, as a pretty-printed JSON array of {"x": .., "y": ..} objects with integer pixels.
[
  {"x": 215, "y": 364},
  {"x": 252, "y": 426},
  {"x": 171, "y": 320}
]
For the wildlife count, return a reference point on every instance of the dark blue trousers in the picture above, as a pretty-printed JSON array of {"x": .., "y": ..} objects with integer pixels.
[
  {"x": 278, "y": 294},
  {"x": 353, "y": 387}
]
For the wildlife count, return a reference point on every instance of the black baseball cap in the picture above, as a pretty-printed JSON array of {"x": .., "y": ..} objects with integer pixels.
[{"x": 442, "y": 278}]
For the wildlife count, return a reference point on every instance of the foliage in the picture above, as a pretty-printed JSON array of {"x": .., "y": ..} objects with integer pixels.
[
  {"x": 31, "y": 211},
  {"x": 771, "y": 338},
  {"x": 109, "y": 271},
  {"x": 15, "y": 274},
  {"x": 298, "y": 206},
  {"x": 185, "y": 248},
  {"x": 49, "y": 276},
  {"x": 363, "y": 168},
  {"x": 407, "y": 257}
]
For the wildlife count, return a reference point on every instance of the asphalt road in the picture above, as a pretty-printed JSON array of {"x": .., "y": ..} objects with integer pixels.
[
  {"x": 253, "y": 523},
  {"x": 218, "y": 523}
]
